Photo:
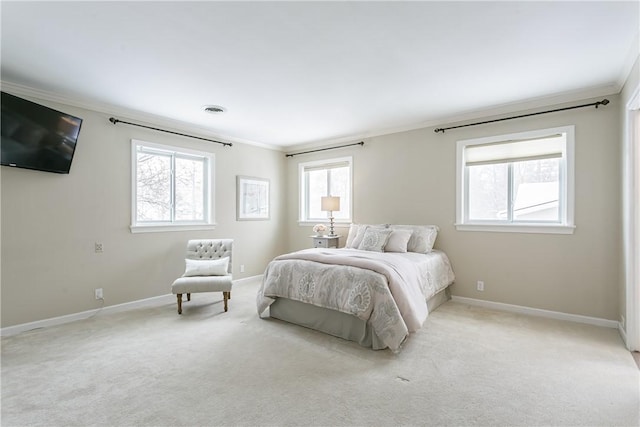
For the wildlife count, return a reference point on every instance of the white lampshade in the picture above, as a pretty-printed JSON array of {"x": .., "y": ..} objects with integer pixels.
[{"x": 330, "y": 203}]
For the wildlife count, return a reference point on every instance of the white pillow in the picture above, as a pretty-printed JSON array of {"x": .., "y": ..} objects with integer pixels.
[
  {"x": 357, "y": 231},
  {"x": 359, "y": 236},
  {"x": 422, "y": 238},
  {"x": 353, "y": 231},
  {"x": 374, "y": 239},
  {"x": 206, "y": 267},
  {"x": 398, "y": 240}
]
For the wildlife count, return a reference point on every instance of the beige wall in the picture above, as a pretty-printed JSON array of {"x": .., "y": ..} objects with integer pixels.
[
  {"x": 50, "y": 223},
  {"x": 409, "y": 178}
]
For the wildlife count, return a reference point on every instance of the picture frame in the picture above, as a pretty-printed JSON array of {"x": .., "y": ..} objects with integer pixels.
[{"x": 252, "y": 198}]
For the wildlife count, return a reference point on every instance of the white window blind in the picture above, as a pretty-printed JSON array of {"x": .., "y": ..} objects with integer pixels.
[
  {"x": 515, "y": 151},
  {"x": 332, "y": 165}
]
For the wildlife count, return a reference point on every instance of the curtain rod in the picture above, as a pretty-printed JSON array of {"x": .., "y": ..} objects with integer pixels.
[
  {"x": 115, "y": 121},
  {"x": 323, "y": 149},
  {"x": 596, "y": 104}
]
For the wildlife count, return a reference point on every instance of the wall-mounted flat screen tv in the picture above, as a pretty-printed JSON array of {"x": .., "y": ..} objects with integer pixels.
[{"x": 37, "y": 137}]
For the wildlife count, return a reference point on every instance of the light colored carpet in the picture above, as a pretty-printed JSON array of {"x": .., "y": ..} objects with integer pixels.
[{"x": 467, "y": 366}]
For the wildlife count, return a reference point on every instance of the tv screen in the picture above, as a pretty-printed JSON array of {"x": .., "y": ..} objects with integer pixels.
[{"x": 36, "y": 137}]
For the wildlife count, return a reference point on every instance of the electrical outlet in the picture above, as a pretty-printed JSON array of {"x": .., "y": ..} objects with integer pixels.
[
  {"x": 99, "y": 294},
  {"x": 98, "y": 247},
  {"x": 241, "y": 268},
  {"x": 480, "y": 286}
]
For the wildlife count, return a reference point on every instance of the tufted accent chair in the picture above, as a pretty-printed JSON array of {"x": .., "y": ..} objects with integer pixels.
[{"x": 205, "y": 249}]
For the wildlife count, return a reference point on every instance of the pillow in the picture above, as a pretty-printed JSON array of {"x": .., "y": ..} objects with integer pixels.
[
  {"x": 375, "y": 239},
  {"x": 422, "y": 238},
  {"x": 353, "y": 231},
  {"x": 206, "y": 267},
  {"x": 359, "y": 236},
  {"x": 398, "y": 240},
  {"x": 358, "y": 231}
]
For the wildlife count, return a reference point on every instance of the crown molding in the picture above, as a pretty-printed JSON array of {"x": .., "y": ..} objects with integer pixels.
[
  {"x": 632, "y": 56},
  {"x": 129, "y": 114},
  {"x": 513, "y": 107},
  {"x": 533, "y": 103}
]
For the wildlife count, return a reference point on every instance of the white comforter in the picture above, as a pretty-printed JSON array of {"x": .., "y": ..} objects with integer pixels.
[{"x": 388, "y": 290}]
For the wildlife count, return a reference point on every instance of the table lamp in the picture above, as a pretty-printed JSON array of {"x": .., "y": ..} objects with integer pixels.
[{"x": 330, "y": 204}]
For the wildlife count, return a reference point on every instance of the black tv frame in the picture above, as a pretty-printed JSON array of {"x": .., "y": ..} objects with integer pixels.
[{"x": 37, "y": 137}]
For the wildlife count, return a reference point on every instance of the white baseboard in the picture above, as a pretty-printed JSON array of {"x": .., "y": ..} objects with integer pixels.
[
  {"x": 54, "y": 321},
  {"x": 623, "y": 334},
  {"x": 538, "y": 312},
  {"x": 118, "y": 308}
]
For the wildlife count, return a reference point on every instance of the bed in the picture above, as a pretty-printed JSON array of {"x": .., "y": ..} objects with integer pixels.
[{"x": 375, "y": 291}]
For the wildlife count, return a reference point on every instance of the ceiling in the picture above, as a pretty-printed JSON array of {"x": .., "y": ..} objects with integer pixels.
[{"x": 299, "y": 73}]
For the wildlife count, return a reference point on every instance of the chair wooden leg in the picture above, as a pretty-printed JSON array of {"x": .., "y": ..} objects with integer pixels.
[
  {"x": 188, "y": 297},
  {"x": 226, "y": 297},
  {"x": 229, "y": 293},
  {"x": 179, "y": 303}
]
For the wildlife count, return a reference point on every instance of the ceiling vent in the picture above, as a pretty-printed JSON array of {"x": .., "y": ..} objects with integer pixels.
[{"x": 214, "y": 109}]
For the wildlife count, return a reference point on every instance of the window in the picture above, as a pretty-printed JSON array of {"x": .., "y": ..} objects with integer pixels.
[
  {"x": 172, "y": 188},
  {"x": 325, "y": 178},
  {"x": 519, "y": 182}
]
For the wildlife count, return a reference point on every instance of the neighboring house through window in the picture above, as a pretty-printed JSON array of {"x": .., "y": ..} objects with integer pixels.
[
  {"x": 521, "y": 182},
  {"x": 172, "y": 188},
  {"x": 325, "y": 178}
]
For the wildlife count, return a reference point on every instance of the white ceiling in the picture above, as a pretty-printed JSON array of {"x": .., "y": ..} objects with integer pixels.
[{"x": 294, "y": 73}]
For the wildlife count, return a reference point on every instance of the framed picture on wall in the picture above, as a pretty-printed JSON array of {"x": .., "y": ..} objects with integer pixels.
[{"x": 252, "y": 198}]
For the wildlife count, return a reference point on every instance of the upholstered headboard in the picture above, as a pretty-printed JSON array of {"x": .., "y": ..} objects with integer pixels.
[{"x": 210, "y": 249}]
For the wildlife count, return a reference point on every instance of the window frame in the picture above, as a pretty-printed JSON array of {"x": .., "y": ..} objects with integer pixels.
[
  {"x": 303, "y": 200},
  {"x": 207, "y": 223},
  {"x": 566, "y": 224}
]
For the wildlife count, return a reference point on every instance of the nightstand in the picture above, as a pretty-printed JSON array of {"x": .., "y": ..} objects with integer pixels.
[{"x": 325, "y": 241}]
